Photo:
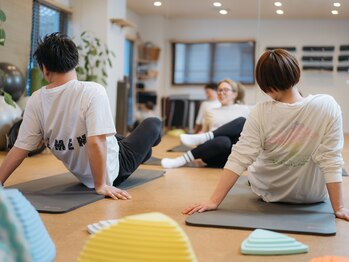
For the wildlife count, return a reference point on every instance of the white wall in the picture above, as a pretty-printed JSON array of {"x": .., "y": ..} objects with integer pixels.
[
  {"x": 94, "y": 16},
  {"x": 18, "y": 32},
  {"x": 266, "y": 33}
]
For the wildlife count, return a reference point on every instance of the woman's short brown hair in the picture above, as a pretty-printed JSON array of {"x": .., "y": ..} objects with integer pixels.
[{"x": 277, "y": 70}]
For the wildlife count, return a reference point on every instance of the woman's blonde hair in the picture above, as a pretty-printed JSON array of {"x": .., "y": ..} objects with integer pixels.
[{"x": 237, "y": 87}]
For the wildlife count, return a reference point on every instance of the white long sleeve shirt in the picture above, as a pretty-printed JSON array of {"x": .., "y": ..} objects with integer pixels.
[{"x": 291, "y": 150}]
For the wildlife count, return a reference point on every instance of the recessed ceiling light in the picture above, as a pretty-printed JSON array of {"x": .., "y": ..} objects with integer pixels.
[
  {"x": 223, "y": 12},
  {"x": 217, "y": 4},
  {"x": 157, "y": 3},
  {"x": 334, "y": 12},
  {"x": 337, "y": 4},
  {"x": 278, "y": 4},
  {"x": 279, "y": 12}
]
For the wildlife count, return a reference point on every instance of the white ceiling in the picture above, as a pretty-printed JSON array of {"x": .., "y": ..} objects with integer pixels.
[{"x": 242, "y": 9}]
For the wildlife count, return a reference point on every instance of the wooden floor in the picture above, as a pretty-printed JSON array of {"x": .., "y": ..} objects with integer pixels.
[{"x": 169, "y": 195}]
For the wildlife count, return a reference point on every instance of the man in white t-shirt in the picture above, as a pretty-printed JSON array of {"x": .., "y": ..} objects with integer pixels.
[
  {"x": 74, "y": 119},
  {"x": 211, "y": 102}
]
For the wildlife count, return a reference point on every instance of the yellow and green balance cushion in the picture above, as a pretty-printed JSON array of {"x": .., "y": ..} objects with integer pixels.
[{"x": 144, "y": 237}]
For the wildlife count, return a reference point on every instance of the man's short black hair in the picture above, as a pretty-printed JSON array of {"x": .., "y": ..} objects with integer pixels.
[
  {"x": 57, "y": 52},
  {"x": 212, "y": 86}
]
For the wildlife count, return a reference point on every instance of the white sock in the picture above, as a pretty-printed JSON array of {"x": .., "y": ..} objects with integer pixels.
[
  {"x": 178, "y": 161},
  {"x": 195, "y": 140}
]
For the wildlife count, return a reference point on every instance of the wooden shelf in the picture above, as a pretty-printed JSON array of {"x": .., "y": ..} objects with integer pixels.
[
  {"x": 145, "y": 61},
  {"x": 146, "y": 77},
  {"x": 122, "y": 22}
]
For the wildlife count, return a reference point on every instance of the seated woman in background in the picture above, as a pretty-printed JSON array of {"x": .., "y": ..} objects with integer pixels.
[
  {"x": 223, "y": 126},
  {"x": 211, "y": 102}
]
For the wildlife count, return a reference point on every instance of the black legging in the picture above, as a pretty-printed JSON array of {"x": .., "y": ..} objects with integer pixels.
[
  {"x": 136, "y": 148},
  {"x": 215, "y": 152}
]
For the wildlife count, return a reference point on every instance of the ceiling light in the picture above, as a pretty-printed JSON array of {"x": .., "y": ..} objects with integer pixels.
[
  {"x": 223, "y": 12},
  {"x": 334, "y": 12},
  {"x": 279, "y": 12},
  {"x": 337, "y": 4},
  {"x": 278, "y": 4},
  {"x": 157, "y": 3},
  {"x": 217, "y": 4}
]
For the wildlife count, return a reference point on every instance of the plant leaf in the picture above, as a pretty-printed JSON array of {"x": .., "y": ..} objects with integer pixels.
[
  {"x": 110, "y": 63},
  {"x": 94, "y": 52},
  {"x": 8, "y": 99},
  {"x": 80, "y": 70},
  {"x": 2, "y": 16},
  {"x": 2, "y": 36}
]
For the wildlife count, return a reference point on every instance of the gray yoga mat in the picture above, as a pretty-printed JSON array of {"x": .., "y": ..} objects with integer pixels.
[
  {"x": 157, "y": 162},
  {"x": 63, "y": 193},
  {"x": 245, "y": 210},
  {"x": 344, "y": 172},
  {"x": 179, "y": 148}
]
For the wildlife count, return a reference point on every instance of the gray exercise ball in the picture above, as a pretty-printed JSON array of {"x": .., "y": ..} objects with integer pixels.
[
  {"x": 11, "y": 80},
  {"x": 8, "y": 116}
]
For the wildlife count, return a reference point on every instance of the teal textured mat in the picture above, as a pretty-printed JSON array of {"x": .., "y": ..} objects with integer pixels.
[{"x": 265, "y": 242}]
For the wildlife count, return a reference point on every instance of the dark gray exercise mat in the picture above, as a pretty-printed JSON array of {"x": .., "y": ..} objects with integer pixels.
[
  {"x": 245, "y": 210},
  {"x": 344, "y": 172},
  {"x": 157, "y": 162},
  {"x": 179, "y": 148},
  {"x": 63, "y": 193}
]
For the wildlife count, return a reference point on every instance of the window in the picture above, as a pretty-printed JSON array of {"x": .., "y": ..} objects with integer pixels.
[
  {"x": 46, "y": 20},
  {"x": 202, "y": 63}
]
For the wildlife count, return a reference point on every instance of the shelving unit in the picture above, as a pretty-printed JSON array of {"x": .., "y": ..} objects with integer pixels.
[
  {"x": 318, "y": 58},
  {"x": 287, "y": 48},
  {"x": 343, "y": 59},
  {"x": 147, "y": 73}
]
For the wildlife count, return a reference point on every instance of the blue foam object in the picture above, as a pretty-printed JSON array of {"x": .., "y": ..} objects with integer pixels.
[
  {"x": 265, "y": 242},
  {"x": 41, "y": 247}
]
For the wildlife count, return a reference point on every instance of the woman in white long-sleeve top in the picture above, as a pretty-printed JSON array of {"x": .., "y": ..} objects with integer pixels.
[{"x": 291, "y": 146}]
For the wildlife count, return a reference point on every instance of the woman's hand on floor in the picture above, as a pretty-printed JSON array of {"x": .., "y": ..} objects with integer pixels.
[
  {"x": 343, "y": 213},
  {"x": 200, "y": 208},
  {"x": 113, "y": 192}
]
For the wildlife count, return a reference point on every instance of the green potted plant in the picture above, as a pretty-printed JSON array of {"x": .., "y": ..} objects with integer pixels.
[
  {"x": 2, "y": 31},
  {"x": 96, "y": 57},
  {"x": 7, "y": 96}
]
